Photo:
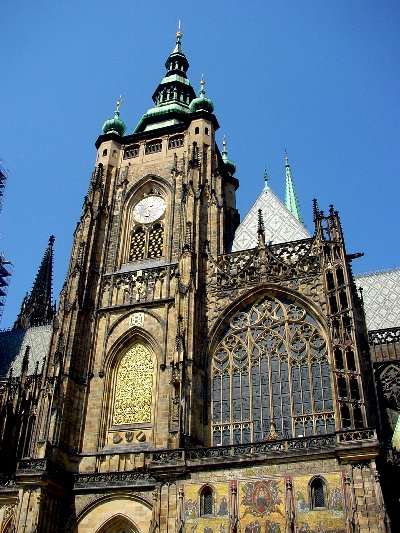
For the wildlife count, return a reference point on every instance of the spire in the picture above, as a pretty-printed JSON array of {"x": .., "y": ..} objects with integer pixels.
[
  {"x": 173, "y": 94},
  {"x": 202, "y": 86},
  {"x": 266, "y": 180},
  {"x": 230, "y": 165},
  {"x": 178, "y": 42},
  {"x": 290, "y": 197},
  {"x": 37, "y": 307}
]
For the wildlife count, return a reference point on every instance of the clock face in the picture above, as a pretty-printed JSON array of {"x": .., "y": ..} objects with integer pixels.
[{"x": 149, "y": 209}]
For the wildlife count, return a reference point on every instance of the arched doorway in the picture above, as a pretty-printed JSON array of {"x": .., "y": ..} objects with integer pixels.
[
  {"x": 115, "y": 514},
  {"x": 118, "y": 524}
]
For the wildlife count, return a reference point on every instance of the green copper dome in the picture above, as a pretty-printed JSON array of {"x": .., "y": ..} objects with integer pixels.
[
  {"x": 114, "y": 125},
  {"x": 230, "y": 165},
  {"x": 201, "y": 103}
]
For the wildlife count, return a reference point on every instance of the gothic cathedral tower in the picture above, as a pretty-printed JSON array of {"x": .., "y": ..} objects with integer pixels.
[{"x": 187, "y": 386}]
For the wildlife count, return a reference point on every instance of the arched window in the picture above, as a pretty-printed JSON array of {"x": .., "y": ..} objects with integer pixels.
[
  {"x": 317, "y": 492},
  {"x": 206, "y": 501},
  {"x": 133, "y": 389},
  {"x": 176, "y": 141},
  {"x": 155, "y": 245},
  {"x": 270, "y": 375},
  {"x": 137, "y": 247}
]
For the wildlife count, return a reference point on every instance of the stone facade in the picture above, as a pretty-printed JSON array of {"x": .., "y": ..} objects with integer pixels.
[{"x": 122, "y": 435}]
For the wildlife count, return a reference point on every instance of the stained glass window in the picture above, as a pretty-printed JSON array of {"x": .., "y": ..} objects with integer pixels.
[{"x": 270, "y": 376}]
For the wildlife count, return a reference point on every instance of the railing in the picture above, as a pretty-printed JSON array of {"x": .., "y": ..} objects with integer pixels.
[
  {"x": 153, "y": 460},
  {"x": 384, "y": 336}
]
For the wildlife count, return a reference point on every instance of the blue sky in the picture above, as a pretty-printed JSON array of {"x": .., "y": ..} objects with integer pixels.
[{"x": 320, "y": 78}]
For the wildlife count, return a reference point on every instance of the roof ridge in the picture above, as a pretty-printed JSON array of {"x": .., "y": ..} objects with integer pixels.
[{"x": 377, "y": 272}]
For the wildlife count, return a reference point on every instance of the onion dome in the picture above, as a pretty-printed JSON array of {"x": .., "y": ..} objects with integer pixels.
[
  {"x": 201, "y": 103},
  {"x": 230, "y": 165},
  {"x": 115, "y": 125}
]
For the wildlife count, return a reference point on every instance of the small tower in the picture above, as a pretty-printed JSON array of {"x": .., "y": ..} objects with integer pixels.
[{"x": 37, "y": 307}]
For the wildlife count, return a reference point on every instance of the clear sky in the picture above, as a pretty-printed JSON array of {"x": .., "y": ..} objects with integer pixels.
[{"x": 320, "y": 78}]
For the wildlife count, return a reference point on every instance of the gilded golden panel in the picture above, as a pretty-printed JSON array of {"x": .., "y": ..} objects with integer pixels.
[{"x": 133, "y": 387}]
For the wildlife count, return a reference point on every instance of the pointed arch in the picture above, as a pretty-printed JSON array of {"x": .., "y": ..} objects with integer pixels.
[
  {"x": 133, "y": 389},
  {"x": 270, "y": 372},
  {"x": 118, "y": 524},
  {"x": 141, "y": 241}
]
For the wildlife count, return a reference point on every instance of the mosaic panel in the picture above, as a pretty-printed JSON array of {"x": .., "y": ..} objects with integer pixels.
[{"x": 329, "y": 519}]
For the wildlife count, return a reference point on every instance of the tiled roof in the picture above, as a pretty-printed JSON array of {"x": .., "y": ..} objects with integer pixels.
[
  {"x": 381, "y": 293},
  {"x": 13, "y": 344},
  {"x": 280, "y": 224}
]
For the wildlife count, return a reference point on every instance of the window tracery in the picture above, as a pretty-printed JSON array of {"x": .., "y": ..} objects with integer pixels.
[
  {"x": 147, "y": 243},
  {"x": 133, "y": 388},
  {"x": 146, "y": 238},
  {"x": 270, "y": 376}
]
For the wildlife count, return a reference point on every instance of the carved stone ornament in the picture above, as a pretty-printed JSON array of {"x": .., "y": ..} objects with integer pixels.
[{"x": 136, "y": 319}]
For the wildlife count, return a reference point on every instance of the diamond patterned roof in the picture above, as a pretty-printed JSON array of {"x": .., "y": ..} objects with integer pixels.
[
  {"x": 280, "y": 224},
  {"x": 14, "y": 342},
  {"x": 381, "y": 293}
]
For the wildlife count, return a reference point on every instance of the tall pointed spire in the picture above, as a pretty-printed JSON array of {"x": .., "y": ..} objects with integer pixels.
[
  {"x": 37, "y": 307},
  {"x": 173, "y": 94},
  {"x": 291, "y": 200}
]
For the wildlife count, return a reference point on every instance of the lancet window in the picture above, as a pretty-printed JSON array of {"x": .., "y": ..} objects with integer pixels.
[
  {"x": 133, "y": 387},
  {"x": 270, "y": 376}
]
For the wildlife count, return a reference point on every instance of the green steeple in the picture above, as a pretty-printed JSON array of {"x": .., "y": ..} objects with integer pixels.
[
  {"x": 115, "y": 125},
  {"x": 290, "y": 195},
  {"x": 174, "y": 93},
  {"x": 202, "y": 102}
]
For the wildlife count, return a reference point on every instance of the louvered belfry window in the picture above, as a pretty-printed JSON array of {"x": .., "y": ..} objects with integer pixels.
[
  {"x": 147, "y": 243},
  {"x": 270, "y": 376}
]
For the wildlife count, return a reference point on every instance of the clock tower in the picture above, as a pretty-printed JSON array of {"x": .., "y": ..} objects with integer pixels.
[{"x": 128, "y": 354}]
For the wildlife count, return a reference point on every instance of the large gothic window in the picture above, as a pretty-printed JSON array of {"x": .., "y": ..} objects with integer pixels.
[
  {"x": 133, "y": 387},
  {"x": 270, "y": 376}
]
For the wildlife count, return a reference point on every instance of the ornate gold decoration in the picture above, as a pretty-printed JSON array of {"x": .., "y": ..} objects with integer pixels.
[{"x": 133, "y": 387}]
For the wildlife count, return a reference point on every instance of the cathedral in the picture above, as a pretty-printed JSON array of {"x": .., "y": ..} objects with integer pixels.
[{"x": 199, "y": 373}]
